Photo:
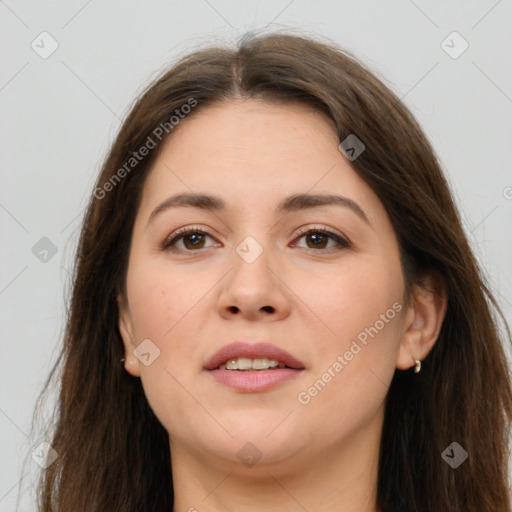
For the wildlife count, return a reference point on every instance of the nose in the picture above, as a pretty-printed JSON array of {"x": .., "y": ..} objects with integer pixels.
[{"x": 254, "y": 290}]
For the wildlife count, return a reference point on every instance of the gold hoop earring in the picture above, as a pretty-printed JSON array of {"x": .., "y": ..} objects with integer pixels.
[{"x": 417, "y": 366}]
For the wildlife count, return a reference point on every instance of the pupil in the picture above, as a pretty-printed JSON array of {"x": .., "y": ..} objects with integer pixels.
[
  {"x": 193, "y": 243},
  {"x": 316, "y": 238}
]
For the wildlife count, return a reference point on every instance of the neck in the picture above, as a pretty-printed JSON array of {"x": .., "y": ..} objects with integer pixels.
[{"x": 342, "y": 477}]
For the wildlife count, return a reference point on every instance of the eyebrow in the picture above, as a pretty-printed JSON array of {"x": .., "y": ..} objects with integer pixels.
[{"x": 292, "y": 203}]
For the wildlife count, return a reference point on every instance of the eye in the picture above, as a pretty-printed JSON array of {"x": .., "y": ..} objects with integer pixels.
[
  {"x": 192, "y": 239},
  {"x": 319, "y": 238}
]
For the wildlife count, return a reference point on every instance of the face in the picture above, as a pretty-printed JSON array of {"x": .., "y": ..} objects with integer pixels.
[{"x": 322, "y": 282}]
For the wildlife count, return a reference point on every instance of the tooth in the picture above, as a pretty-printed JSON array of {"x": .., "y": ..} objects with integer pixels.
[
  {"x": 260, "y": 364},
  {"x": 244, "y": 363}
]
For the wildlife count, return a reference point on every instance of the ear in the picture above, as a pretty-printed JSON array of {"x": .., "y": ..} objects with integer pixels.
[
  {"x": 422, "y": 321},
  {"x": 131, "y": 364}
]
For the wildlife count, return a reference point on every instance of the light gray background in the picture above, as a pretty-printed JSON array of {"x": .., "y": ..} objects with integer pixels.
[{"x": 60, "y": 114}]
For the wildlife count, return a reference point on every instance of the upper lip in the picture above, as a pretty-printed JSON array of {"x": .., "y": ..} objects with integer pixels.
[{"x": 252, "y": 351}]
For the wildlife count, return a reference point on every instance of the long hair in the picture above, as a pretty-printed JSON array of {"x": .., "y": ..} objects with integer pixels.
[{"x": 113, "y": 453}]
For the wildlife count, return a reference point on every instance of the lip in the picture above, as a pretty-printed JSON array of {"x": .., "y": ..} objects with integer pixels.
[
  {"x": 257, "y": 380},
  {"x": 253, "y": 351}
]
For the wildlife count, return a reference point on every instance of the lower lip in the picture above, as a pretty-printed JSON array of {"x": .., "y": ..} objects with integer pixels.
[{"x": 254, "y": 382}]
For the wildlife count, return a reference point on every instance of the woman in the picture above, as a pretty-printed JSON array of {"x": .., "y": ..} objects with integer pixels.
[{"x": 275, "y": 306}]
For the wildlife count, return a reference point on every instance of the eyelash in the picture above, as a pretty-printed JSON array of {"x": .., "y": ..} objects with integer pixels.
[{"x": 181, "y": 233}]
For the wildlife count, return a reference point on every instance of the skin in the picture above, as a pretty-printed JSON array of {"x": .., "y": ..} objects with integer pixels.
[{"x": 311, "y": 301}]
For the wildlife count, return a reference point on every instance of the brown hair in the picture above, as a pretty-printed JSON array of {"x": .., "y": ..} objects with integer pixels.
[{"x": 114, "y": 453}]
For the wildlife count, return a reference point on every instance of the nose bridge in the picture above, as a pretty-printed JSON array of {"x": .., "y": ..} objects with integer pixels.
[
  {"x": 252, "y": 260},
  {"x": 252, "y": 288},
  {"x": 254, "y": 235}
]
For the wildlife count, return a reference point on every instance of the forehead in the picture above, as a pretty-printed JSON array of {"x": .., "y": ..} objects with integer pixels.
[{"x": 253, "y": 153}]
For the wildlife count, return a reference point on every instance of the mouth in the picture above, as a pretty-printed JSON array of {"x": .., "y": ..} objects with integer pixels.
[
  {"x": 250, "y": 368},
  {"x": 244, "y": 364},
  {"x": 240, "y": 356}
]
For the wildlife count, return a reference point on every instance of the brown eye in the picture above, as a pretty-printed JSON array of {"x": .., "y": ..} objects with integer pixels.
[
  {"x": 317, "y": 239},
  {"x": 191, "y": 238}
]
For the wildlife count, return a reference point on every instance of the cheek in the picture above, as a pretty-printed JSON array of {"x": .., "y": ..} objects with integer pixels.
[
  {"x": 352, "y": 298},
  {"x": 163, "y": 305},
  {"x": 172, "y": 308},
  {"x": 160, "y": 298},
  {"x": 355, "y": 359}
]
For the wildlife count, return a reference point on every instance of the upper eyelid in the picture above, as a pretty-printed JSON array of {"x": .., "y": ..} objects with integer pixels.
[
  {"x": 302, "y": 230},
  {"x": 305, "y": 229}
]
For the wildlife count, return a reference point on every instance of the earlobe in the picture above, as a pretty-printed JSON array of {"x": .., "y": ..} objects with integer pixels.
[
  {"x": 131, "y": 363},
  {"x": 422, "y": 322}
]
